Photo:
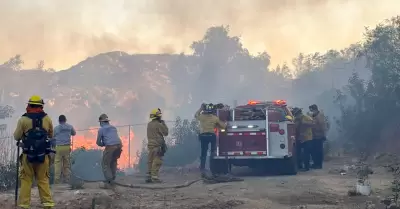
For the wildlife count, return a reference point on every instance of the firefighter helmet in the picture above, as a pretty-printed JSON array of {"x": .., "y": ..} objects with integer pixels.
[
  {"x": 208, "y": 108},
  {"x": 296, "y": 111},
  {"x": 36, "y": 100},
  {"x": 155, "y": 113}
]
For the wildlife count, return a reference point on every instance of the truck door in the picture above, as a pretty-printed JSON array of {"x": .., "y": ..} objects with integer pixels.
[{"x": 281, "y": 132}]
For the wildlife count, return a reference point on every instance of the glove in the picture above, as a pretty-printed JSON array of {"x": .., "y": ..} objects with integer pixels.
[
  {"x": 20, "y": 144},
  {"x": 163, "y": 149}
]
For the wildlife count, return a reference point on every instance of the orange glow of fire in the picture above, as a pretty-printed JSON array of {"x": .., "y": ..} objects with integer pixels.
[{"x": 88, "y": 141}]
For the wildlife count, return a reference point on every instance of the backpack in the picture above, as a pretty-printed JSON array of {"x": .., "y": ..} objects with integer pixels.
[{"x": 36, "y": 144}]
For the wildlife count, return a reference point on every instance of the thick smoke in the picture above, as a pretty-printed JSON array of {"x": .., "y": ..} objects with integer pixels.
[{"x": 64, "y": 32}]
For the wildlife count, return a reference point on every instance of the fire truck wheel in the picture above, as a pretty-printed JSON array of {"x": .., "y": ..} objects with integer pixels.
[
  {"x": 289, "y": 166},
  {"x": 219, "y": 166}
]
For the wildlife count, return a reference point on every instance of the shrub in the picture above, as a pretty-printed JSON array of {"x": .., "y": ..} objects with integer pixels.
[
  {"x": 8, "y": 174},
  {"x": 86, "y": 164}
]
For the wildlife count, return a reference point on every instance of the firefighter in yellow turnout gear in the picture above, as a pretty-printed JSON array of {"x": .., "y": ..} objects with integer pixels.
[
  {"x": 208, "y": 122},
  {"x": 33, "y": 131},
  {"x": 303, "y": 124},
  {"x": 156, "y": 131}
]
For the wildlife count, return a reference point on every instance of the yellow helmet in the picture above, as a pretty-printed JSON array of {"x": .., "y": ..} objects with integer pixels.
[
  {"x": 155, "y": 113},
  {"x": 36, "y": 100},
  {"x": 288, "y": 117}
]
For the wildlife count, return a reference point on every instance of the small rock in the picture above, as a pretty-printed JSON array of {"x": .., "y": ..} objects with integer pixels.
[
  {"x": 352, "y": 192},
  {"x": 393, "y": 206},
  {"x": 369, "y": 205},
  {"x": 386, "y": 201}
]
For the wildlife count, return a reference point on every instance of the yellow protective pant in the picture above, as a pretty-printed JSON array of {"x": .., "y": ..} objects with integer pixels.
[
  {"x": 154, "y": 162},
  {"x": 62, "y": 163},
  {"x": 111, "y": 154},
  {"x": 42, "y": 175}
]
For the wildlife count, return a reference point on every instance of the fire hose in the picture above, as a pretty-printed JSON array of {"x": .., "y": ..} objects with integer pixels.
[
  {"x": 206, "y": 179},
  {"x": 187, "y": 184}
]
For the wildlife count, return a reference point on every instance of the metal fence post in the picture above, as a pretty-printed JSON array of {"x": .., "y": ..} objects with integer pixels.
[{"x": 129, "y": 145}]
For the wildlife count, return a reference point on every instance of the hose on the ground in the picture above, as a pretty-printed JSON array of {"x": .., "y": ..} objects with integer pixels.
[
  {"x": 206, "y": 179},
  {"x": 187, "y": 184}
]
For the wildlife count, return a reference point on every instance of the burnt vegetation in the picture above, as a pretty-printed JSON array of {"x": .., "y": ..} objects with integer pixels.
[{"x": 358, "y": 87}]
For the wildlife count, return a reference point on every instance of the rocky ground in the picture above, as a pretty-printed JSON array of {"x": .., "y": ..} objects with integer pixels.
[{"x": 316, "y": 189}]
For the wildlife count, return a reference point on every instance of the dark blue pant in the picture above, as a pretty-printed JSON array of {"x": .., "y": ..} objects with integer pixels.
[
  {"x": 304, "y": 154},
  {"x": 318, "y": 152},
  {"x": 205, "y": 140}
]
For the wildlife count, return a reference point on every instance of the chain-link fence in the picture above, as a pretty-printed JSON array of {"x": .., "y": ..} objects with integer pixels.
[{"x": 132, "y": 137}]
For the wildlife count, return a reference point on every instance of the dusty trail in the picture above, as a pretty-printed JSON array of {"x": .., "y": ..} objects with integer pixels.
[{"x": 317, "y": 189}]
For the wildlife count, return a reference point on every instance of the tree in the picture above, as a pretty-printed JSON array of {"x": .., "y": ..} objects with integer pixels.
[
  {"x": 7, "y": 150},
  {"x": 213, "y": 53},
  {"x": 40, "y": 65},
  {"x": 15, "y": 63},
  {"x": 5, "y": 112},
  {"x": 371, "y": 106}
]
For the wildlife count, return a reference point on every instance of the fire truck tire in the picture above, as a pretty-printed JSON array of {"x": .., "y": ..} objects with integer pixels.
[{"x": 218, "y": 166}]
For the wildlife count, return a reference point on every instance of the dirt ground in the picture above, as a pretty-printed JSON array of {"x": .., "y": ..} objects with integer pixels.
[{"x": 315, "y": 189}]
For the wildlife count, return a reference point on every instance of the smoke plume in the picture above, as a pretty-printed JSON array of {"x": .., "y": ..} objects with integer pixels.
[{"x": 64, "y": 32}]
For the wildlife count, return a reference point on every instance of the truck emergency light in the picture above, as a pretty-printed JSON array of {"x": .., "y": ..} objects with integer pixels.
[
  {"x": 275, "y": 102},
  {"x": 252, "y": 102},
  {"x": 280, "y": 102}
]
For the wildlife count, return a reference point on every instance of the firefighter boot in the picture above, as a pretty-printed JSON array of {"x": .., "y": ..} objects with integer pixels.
[
  {"x": 203, "y": 173},
  {"x": 148, "y": 179},
  {"x": 156, "y": 180},
  {"x": 107, "y": 185}
]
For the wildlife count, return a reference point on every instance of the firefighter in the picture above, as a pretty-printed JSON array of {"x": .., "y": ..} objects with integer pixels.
[
  {"x": 303, "y": 124},
  {"x": 156, "y": 131},
  {"x": 208, "y": 122},
  {"x": 33, "y": 131},
  {"x": 62, "y": 139},
  {"x": 108, "y": 137},
  {"x": 319, "y": 136}
]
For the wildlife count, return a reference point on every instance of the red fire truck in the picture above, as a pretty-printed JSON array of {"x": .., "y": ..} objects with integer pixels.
[{"x": 259, "y": 134}]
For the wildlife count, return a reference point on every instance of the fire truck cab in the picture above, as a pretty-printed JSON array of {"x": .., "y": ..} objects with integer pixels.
[{"x": 258, "y": 134}]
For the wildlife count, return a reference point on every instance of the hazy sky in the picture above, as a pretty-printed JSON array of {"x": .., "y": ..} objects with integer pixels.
[{"x": 64, "y": 32}]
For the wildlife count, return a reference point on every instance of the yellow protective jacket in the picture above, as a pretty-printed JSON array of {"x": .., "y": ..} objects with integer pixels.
[
  {"x": 320, "y": 127},
  {"x": 208, "y": 122},
  {"x": 304, "y": 125},
  {"x": 25, "y": 124},
  {"x": 156, "y": 131}
]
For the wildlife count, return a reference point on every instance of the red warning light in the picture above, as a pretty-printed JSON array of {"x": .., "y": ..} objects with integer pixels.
[
  {"x": 280, "y": 102},
  {"x": 252, "y": 102}
]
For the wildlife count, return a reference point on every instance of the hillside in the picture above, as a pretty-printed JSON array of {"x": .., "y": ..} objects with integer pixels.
[{"x": 104, "y": 83}]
